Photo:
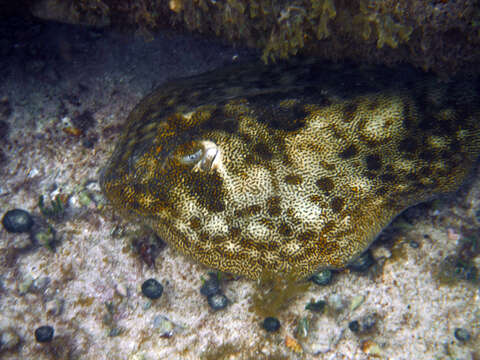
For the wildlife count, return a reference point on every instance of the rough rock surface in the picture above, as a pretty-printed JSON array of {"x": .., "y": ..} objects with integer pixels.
[{"x": 439, "y": 35}]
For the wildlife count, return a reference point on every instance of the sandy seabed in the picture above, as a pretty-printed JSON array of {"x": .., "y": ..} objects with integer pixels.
[{"x": 69, "y": 91}]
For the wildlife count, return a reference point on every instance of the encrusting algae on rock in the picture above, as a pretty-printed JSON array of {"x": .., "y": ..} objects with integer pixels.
[{"x": 289, "y": 168}]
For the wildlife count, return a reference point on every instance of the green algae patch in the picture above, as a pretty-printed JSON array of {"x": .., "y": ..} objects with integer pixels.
[
  {"x": 85, "y": 301},
  {"x": 453, "y": 269},
  {"x": 274, "y": 292},
  {"x": 375, "y": 22}
]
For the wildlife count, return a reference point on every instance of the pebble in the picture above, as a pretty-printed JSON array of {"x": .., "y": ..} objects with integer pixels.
[
  {"x": 17, "y": 221},
  {"x": 316, "y": 306},
  {"x": 217, "y": 301},
  {"x": 9, "y": 339},
  {"x": 211, "y": 286},
  {"x": 462, "y": 334},
  {"x": 356, "y": 302},
  {"x": 354, "y": 326},
  {"x": 271, "y": 324},
  {"x": 152, "y": 289},
  {"x": 44, "y": 334},
  {"x": 322, "y": 278},
  {"x": 363, "y": 262}
]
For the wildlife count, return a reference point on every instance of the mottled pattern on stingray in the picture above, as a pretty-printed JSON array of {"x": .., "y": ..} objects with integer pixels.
[{"x": 289, "y": 168}]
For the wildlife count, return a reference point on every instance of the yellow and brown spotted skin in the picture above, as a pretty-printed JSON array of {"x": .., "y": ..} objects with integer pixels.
[{"x": 292, "y": 168}]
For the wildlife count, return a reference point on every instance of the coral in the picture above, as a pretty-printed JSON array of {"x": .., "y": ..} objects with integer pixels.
[
  {"x": 298, "y": 170},
  {"x": 439, "y": 35}
]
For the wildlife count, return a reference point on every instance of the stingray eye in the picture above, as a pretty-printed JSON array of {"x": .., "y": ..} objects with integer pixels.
[{"x": 192, "y": 159}]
